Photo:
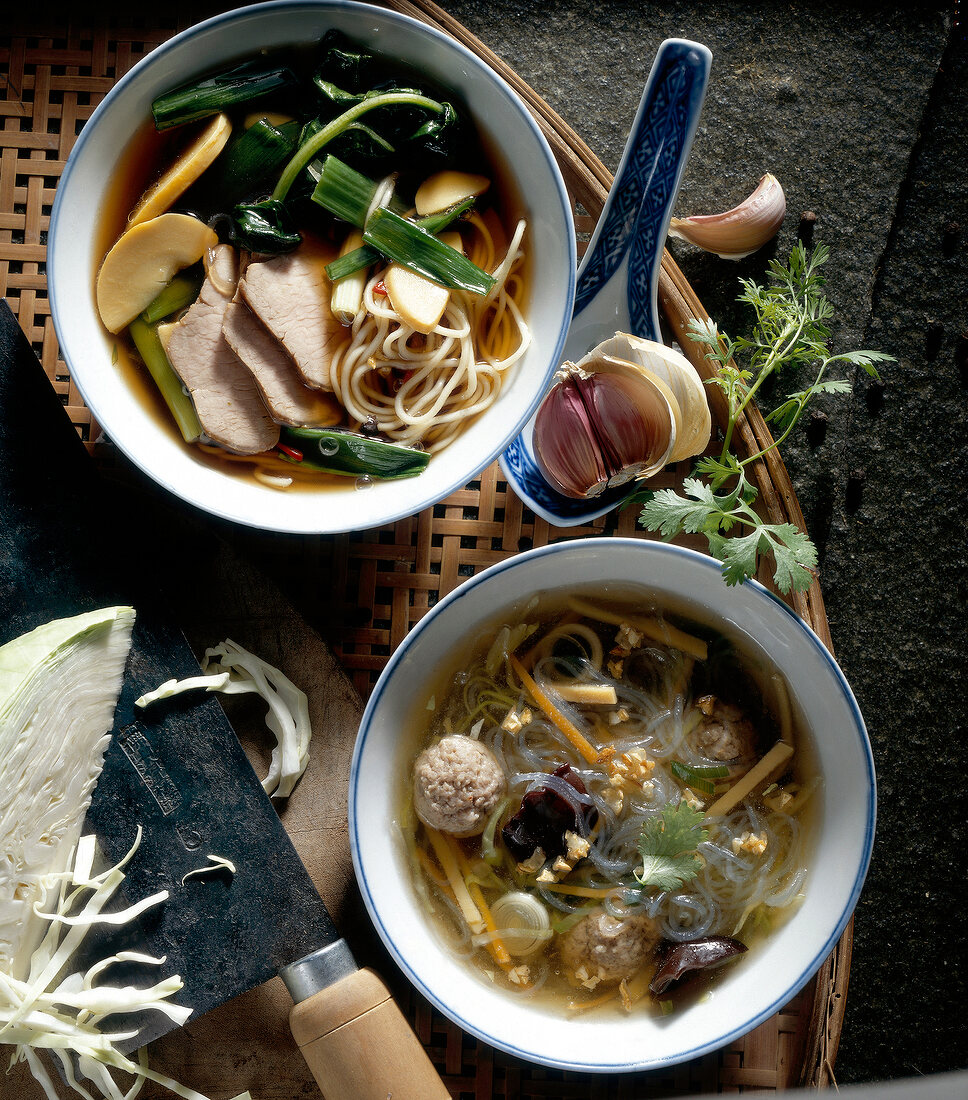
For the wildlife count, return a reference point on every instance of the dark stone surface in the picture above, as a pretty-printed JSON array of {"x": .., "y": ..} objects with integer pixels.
[{"x": 859, "y": 110}]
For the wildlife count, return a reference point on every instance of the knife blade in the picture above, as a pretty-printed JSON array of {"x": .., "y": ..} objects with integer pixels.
[{"x": 179, "y": 771}]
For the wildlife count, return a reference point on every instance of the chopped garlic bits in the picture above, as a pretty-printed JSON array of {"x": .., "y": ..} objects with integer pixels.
[
  {"x": 515, "y": 722},
  {"x": 753, "y": 843}
]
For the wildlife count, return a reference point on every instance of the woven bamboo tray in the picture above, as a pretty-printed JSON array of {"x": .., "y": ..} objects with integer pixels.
[{"x": 378, "y": 583}]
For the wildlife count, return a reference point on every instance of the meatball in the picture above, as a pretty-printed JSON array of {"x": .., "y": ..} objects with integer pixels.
[
  {"x": 607, "y": 949},
  {"x": 724, "y": 733},
  {"x": 456, "y": 785}
]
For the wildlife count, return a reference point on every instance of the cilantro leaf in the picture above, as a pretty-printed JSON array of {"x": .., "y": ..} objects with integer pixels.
[
  {"x": 669, "y": 513},
  {"x": 668, "y": 847},
  {"x": 794, "y": 555}
]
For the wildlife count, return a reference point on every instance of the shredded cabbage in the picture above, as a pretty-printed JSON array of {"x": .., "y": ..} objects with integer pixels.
[
  {"x": 61, "y": 1011},
  {"x": 59, "y": 685},
  {"x": 216, "y": 864},
  {"x": 232, "y": 670}
]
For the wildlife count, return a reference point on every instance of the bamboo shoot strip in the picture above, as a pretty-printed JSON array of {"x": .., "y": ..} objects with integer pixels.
[
  {"x": 571, "y": 731},
  {"x": 768, "y": 768},
  {"x": 215, "y": 93},
  {"x": 448, "y": 863},
  {"x": 651, "y": 628}
]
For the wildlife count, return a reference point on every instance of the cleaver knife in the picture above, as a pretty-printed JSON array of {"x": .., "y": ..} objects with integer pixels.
[{"x": 71, "y": 543}]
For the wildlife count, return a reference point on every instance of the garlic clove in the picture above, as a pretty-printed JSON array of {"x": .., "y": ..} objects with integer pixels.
[
  {"x": 741, "y": 231},
  {"x": 656, "y": 404},
  {"x": 566, "y": 444},
  {"x": 674, "y": 369},
  {"x": 599, "y": 429}
]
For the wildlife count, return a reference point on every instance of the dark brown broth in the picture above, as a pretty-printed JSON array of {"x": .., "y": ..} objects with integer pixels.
[{"x": 144, "y": 160}]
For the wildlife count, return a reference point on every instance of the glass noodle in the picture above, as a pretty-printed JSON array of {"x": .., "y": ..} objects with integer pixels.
[{"x": 646, "y": 726}]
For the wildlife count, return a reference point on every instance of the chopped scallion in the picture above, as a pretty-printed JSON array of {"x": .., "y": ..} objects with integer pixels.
[
  {"x": 699, "y": 776},
  {"x": 420, "y": 251},
  {"x": 355, "y": 260},
  {"x": 178, "y": 294},
  {"x": 249, "y": 159},
  {"x": 146, "y": 340},
  {"x": 207, "y": 97},
  {"x": 339, "y": 452},
  {"x": 435, "y": 223},
  {"x": 344, "y": 192}
]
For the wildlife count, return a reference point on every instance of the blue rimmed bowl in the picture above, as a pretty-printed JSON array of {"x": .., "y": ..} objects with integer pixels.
[
  {"x": 771, "y": 974},
  {"x": 76, "y": 248},
  {"x": 617, "y": 288}
]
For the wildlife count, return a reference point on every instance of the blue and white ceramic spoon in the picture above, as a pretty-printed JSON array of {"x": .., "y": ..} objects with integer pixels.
[{"x": 618, "y": 278}]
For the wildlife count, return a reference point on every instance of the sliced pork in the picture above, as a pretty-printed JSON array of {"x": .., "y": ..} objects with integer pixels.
[
  {"x": 227, "y": 400},
  {"x": 290, "y": 296},
  {"x": 288, "y": 399}
]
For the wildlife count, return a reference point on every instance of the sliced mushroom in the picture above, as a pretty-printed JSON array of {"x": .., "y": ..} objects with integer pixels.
[{"x": 678, "y": 959}]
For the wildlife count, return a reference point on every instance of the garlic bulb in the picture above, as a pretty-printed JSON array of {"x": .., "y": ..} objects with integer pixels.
[
  {"x": 522, "y": 922},
  {"x": 674, "y": 369},
  {"x": 740, "y": 231},
  {"x": 599, "y": 428}
]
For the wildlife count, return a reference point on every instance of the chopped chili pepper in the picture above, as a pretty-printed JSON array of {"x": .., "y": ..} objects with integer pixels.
[
  {"x": 380, "y": 288},
  {"x": 296, "y": 456}
]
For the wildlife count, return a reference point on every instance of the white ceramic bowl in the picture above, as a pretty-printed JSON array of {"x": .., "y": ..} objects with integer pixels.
[
  {"x": 74, "y": 255},
  {"x": 759, "y": 984}
]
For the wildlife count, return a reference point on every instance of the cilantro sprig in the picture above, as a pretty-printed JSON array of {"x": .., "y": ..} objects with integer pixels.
[
  {"x": 790, "y": 331},
  {"x": 668, "y": 847}
]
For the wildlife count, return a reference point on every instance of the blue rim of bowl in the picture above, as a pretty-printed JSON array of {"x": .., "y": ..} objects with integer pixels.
[
  {"x": 702, "y": 560},
  {"x": 155, "y": 57}
]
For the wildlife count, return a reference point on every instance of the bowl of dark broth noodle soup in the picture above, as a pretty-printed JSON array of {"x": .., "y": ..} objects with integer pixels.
[
  {"x": 311, "y": 265},
  {"x": 606, "y": 812}
]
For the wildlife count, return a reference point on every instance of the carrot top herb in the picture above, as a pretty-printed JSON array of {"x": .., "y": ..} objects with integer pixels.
[{"x": 790, "y": 331}]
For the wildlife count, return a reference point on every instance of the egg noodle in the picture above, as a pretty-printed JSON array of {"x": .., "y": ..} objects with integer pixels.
[{"x": 417, "y": 389}]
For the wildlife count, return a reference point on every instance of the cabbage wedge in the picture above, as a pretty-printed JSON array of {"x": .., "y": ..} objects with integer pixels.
[{"x": 59, "y": 686}]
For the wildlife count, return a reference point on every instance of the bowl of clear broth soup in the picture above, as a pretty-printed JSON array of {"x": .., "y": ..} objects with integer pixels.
[
  {"x": 311, "y": 265},
  {"x": 607, "y": 813}
]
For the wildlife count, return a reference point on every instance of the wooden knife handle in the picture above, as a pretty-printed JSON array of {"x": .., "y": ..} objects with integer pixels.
[{"x": 359, "y": 1046}]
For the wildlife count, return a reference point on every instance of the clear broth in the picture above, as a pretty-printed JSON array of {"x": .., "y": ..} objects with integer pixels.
[{"x": 744, "y": 677}]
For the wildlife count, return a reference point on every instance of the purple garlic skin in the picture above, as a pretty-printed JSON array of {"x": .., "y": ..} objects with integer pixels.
[{"x": 590, "y": 434}]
